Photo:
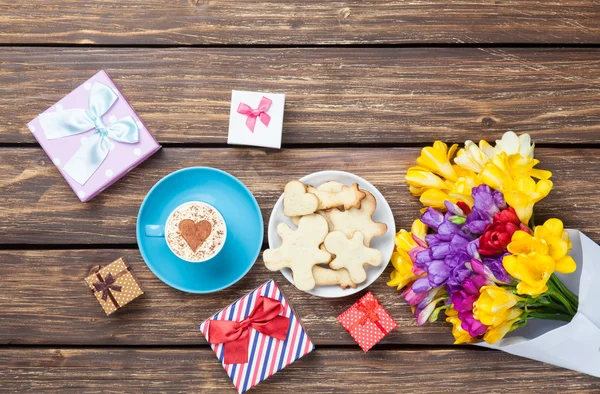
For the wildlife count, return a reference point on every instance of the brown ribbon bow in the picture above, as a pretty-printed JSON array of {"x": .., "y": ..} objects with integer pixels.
[
  {"x": 105, "y": 286},
  {"x": 369, "y": 314}
]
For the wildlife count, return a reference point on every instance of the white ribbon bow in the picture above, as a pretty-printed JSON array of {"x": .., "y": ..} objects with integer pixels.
[{"x": 71, "y": 122}]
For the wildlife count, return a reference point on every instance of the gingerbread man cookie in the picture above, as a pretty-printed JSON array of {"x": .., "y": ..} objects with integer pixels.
[
  {"x": 327, "y": 276},
  {"x": 347, "y": 197},
  {"x": 353, "y": 220},
  {"x": 331, "y": 186},
  {"x": 299, "y": 250},
  {"x": 351, "y": 254},
  {"x": 296, "y": 201}
]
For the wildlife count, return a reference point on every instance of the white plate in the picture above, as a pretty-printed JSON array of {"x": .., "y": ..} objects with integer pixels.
[{"x": 383, "y": 214}]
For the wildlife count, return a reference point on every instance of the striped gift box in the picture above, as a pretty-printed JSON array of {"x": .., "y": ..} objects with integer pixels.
[{"x": 267, "y": 355}]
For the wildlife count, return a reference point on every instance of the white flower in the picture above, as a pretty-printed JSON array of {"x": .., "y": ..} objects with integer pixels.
[
  {"x": 472, "y": 157},
  {"x": 512, "y": 143}
]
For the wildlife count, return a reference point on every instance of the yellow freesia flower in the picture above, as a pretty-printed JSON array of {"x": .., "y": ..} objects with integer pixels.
[
  {"x": 404, "y": 241},
  {"x": 436, "y": 158},
  {"x": 535, "y": 257},
  {"x": 559, "y": 244},
  {"x": 403, "y": 273},
  {"x": 497, "y": 332},
  {"x": 459, "y": 190},
  {"x": 512, "y": 175},
  {"x": 493, "y": 305},
  {"x": 419, "y": 229},
  {"x": 421, "y": 179},
  {"x": 436, "y": 180},
  {"x": 533, "y": 271},
  {"x": 460, "y": 334}
]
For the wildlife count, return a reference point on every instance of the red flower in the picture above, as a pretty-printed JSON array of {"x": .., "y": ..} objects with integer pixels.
[{"x": 498, "y": 234}]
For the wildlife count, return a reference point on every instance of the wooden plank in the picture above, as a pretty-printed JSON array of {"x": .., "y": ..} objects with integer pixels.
[
  {"x": 296, "y": 22},
  {"x": 38, "y": 207},
  {"x": 334, "y": 95},
  {"x": 39, "y": 301},
  {"x": 322, "y": 371}
]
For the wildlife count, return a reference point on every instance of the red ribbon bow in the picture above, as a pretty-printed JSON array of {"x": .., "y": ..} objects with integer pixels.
[
  {"x": 105, "y": 285},
  {"x": 368, "y": 309},
  {"x": 235, "y": 336},
  {"x": 252, "y": 114}
]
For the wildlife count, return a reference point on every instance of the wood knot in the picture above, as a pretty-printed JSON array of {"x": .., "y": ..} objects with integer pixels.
[
  {"x": 343, "y": 14},
  {"x": 94, "y": 269},
  {"x": 488, "y": 122}
]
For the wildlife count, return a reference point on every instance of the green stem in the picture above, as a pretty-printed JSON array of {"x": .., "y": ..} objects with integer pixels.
[
  {"x": 558, "y": 296},
  {"x": 532, "y": 222},
  {"x": 554, "y": 292},
  {"x": 550, "y": 316},
  {"x": 572, "y": 297},
  {"x": 547, "y": 302}
]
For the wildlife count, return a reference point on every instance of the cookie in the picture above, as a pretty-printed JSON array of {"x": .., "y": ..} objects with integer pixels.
[
  {"x": 351, "y": 254},
  {"x": 353, "y": 220},
  {"x": 326, "y": 276},
  {"x": 299, "y": 250},
  {"x": 296, "y": 200},
  {"x": 347, "y": 197},
  {"x": 331, "y": 186}
]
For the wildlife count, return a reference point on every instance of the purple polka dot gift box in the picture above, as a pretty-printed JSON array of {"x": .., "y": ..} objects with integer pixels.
[
  {"x": 93, "y": 136},
  {"x": 367, "y": 321}
]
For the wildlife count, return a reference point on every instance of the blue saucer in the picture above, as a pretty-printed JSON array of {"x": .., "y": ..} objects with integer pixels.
[{"x": 244, "y": 229}]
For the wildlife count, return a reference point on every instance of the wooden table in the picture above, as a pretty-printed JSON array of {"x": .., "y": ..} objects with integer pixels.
[{"x": 368, "y": 83}]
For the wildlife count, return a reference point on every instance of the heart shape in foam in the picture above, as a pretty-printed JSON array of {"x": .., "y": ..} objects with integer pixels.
[{"x": 195, "y": 233}]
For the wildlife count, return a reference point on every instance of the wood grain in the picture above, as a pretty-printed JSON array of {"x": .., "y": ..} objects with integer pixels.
[
  {"x": 298, "y": 22},
  {"x": 38, "y": 207},
  {"x": 349, "y": 96},
  {"x": 322, "y": 371},
  {"x": 45, "y": 301}
]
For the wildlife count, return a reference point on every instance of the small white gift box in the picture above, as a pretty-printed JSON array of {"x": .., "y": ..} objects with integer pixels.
[
  {"x": 574, "y": 345},
  {"x": 256, "y": 119}
]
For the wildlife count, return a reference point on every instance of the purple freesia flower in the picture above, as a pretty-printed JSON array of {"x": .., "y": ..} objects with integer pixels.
[
  {"x": 463, "y": 300},
  {"x": 432, "y": 218},
  {"x": 477, "y": 221},
  {"x": 437, "y": 273},
  {"x": 421, "y": 285},
  {"x": 426, "y": 307},
  {"x": 473, "y": 326},
  {"x": 459, "y": 271},
  {"x": 444, "y": 261},
  {"x": 453, "y": 209},
  {"x": 495, "y": 265},
  {"x": 487, "y": 203}
]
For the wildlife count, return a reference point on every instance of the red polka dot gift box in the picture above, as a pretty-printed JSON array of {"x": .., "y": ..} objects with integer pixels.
[{"x": 367, "y": 321}]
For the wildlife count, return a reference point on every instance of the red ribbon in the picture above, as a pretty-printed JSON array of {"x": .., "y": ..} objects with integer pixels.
[
  {"x": 368, "y": 309},
  {"x": 235, "y": 336},
  {"x": 252, "y": 114}
]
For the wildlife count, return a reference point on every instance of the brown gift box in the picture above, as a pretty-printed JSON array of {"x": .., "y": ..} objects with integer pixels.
[{"x": 114, "y": 286}]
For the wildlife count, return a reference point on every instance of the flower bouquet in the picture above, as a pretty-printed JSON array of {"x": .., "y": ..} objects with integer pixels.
[{"x": 477, "y": 255}]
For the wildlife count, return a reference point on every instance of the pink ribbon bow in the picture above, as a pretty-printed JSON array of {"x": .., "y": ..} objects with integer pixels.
[{"x": 252, "y": 114}]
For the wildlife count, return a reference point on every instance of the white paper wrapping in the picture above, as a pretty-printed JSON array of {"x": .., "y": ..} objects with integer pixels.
[{"x": 574, "y": 345}]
